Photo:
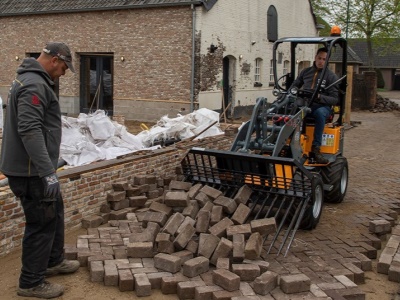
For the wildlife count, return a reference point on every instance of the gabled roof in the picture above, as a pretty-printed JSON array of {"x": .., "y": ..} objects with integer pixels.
[
  {"x": 27, "y": 7},
  {"x": 386, "y": 54}
]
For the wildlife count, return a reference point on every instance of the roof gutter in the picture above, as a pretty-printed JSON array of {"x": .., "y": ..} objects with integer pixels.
[{"x": 208, "y": 4}]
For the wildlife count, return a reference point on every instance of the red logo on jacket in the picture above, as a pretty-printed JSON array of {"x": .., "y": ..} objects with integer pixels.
[{"x": 35, "y": 100}]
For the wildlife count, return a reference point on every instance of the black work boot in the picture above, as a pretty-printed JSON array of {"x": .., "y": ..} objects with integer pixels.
[{"x": 319, "y": 158}]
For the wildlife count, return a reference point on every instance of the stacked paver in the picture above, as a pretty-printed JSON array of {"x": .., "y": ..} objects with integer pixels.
[
  {"x": 181, "y": 238},
  {"x": 192, "y": 241}
]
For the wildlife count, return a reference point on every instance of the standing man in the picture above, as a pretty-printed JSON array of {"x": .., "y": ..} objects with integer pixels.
[
  {"x": 321, "y": 108},
  {"x": 29, "y": 156}
]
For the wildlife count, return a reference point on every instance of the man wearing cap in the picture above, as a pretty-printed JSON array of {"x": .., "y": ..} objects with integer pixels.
[{"x": 29, "y": 157}]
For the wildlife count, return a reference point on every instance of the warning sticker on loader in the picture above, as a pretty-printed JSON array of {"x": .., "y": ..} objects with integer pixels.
[{"x": 328, "y": 139}]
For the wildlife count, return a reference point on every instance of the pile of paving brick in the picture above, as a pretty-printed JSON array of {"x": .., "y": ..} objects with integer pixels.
[
  {"x": 183, "y": 239},
  {"x": 384, "y": 104}
]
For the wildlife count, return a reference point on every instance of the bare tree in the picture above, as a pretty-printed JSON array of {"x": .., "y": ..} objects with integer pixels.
[{"x": 369, "y": 19}]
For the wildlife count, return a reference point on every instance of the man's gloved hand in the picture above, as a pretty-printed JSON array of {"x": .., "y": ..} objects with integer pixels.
[{"x": 51, "y": 186}]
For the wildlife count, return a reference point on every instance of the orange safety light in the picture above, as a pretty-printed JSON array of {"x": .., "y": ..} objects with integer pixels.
[{"x": 335, "y": 30}]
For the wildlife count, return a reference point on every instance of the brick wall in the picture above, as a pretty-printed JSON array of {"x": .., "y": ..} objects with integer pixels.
[
  {"x": 85, "y": 188},
  {"x": 156, "y": 43}
]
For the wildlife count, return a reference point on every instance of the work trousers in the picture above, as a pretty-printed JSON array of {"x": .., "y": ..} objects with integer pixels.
[
  {"x": 320, "y": 114},
  {"x": 43, "y": 242}
]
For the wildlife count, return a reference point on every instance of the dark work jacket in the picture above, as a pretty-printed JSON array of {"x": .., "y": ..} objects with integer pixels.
[
  {"x": 32, "y": 129},
  {"x": 308, "y": 79}
]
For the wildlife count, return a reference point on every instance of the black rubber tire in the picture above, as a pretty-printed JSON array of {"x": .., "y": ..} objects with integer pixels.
[
  {"x": 337, "y": 175},
  {"x": 314, "y": 211}
]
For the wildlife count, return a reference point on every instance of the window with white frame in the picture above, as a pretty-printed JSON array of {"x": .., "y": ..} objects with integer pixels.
[
  {"x": 285, "y": 67},
  {"x": 257, "y": 71},
  {"x": 271, "y": 71}
]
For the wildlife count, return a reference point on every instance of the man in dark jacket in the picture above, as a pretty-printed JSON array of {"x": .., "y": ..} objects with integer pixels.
[
  {"x": 29, "y": 157},
  {"x": 321, "y": 109}
]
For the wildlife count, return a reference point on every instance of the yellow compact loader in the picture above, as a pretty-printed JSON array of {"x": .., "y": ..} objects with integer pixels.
[{"x": 271, "y": 152}]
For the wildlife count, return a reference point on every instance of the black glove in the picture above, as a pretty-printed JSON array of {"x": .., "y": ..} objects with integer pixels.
[{"x": 51, "y": 186}]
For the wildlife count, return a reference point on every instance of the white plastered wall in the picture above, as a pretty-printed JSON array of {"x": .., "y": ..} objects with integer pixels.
[{"x": 236, "y": 24}]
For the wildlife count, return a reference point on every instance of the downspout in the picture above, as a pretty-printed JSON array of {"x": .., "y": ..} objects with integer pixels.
[{"x": 193, "y": 58}]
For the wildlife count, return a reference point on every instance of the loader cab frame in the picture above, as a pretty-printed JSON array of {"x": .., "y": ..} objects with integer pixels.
[{"x": 335, "y": 45}]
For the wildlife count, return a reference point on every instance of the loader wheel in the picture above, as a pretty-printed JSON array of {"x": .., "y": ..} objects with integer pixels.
[
  {"x": 337, "y": 175},
  {"x": 313, "y": 212}
]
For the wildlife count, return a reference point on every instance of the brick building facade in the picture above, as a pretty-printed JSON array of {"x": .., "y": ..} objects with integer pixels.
[{"x": 145, "y": 59}]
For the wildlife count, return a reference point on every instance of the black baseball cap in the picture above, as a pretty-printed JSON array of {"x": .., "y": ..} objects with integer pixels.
[{"x": 60, "y": 50}]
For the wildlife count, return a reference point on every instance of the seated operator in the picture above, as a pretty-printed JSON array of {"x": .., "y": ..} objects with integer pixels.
[{"x": 321, "y": 108}]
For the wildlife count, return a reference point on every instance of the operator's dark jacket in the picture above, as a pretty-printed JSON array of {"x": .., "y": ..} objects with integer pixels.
[
  {"x": 309, "y": 78},
  {"x": 32, "y": 129}
]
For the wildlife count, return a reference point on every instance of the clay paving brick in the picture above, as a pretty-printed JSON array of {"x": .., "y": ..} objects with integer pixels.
[
  {"x": 366, "y": 263},
  {"x": 216, "y": 214},
  {"x": 96, "y": 269},
  {"x": 243, "y": 195},
  {"x": 205, "y": 292},
  {"x": 229, "y": 205},
  {"x": 265, "y": 283},
  {"x": 191, "y": 210},
  {"x": 110, "y": 275},
  {"x": 137, "y": 201},
  {"x": 92, "y": 222},
  {"x": 142, "y": 285},
  {"x": 253, "y": 246},
  {"x": 394, "y": 272},
  {"x": 264, "y": 226},
  {"x": 186, "y": 221},
  {"x": 133, "y": 191},
  {"x": 296, "y": 283},
  {"x": 225, "y": 295},
  {"x": 186, "y": 289},
  {"x": 184, "y": 255},
  {"x": 164, "y": 243},
  {"x": 246, "y": 272},
  {"x": 177, "y": 199},
  {"x": 238, "y": 243},
  {"x": 192, "y": 246},
  {"x": 173, "y": 223},
  {"x": 223, "y": 263},
  {"x": 359, "y": 276},
  {"x": 155, "y": 279},
  {"x": 202, "y": 199},
  {"x": 224, "y": 249},
  {"x": 207, "y": 244},
  {"x": 194, "y": 190},
  {"x": 226, "y": 279},
  {"x": 203, "y": 221},
  {"x": 211, "y": 192},
  {"x": 219, "y": 229},
  {"x": 241, "y": 214},
  {"x": 169, "y": 283},
  {"x": 195, "y": 266},
  {"x": 380, "y": 226},
  {"x": 167, "y": 262},
  {"x": 161, "y": 207},
  {"x": 126, "y": 282},
  {"x": 140, "y": 249},
  {"x": 183, "y": 238},
  {"x": 154, "y": 216},
  {"x": 180, "y": 185},
  {"x": 120, "y": 186},
  {"x": 238, "y": 229},
  {"x": 116, "y": 196}
]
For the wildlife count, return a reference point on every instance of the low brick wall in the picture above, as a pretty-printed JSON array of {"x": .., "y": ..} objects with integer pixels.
[{"x": 85, "y": 188}]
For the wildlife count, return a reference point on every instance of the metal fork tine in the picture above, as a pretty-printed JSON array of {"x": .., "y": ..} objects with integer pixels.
[
  {"x": 292, "y": 222},
  {"x": 303, "y": 209},
  {"x": 278, "y": 231}
]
